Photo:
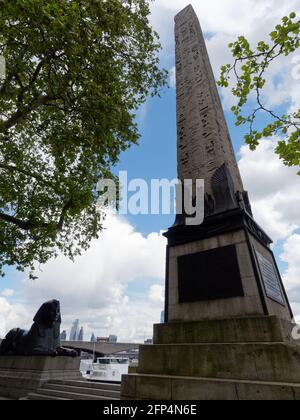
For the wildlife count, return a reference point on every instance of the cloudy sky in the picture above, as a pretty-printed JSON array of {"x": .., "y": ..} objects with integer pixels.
[{"x": 117, "y": 287}]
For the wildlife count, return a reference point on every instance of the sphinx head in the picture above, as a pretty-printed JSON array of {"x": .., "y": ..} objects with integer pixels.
[{"x": 48, "y": 314}]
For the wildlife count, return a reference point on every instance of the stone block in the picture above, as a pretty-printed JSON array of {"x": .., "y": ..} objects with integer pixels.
[
  {"x": 216, "y": 309},
  {"x": 264, "y": 392},
  {"x": 202, "y": 390},
  {"x": 21, "y": 375},
  {"x": 173, "y": 296},
  {"x": 272, "y": 362},
  {"x": 157, "y": 387},
  {"x": 296, "y": 392},
  {"x": 231, "y": 238},
  {"x": 151, "y": 387},
  {"x": 235, "y": 330},
  {"x": 245, "y": 263},
  {"x": 128, "y": 386}
]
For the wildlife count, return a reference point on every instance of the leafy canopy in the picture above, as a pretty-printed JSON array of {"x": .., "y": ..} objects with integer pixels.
[
  {"x": 76, "y": 71},
  {"x": 249, "y": 69}
]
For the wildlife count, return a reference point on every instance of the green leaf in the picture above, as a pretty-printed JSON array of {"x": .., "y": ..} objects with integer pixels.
[{"x": 249, "y": 69}]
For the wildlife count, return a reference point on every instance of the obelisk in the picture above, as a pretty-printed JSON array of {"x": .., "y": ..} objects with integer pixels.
[
  {"x": 219, "y": 268},
  {"x": 227, "y": 332},
  {"x": 204, "y": 146}
]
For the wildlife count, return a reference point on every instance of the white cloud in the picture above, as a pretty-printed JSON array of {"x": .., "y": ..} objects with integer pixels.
[
  {"x": 157, "y": 294},
  {"x": 224, "y": 21},
  {"x": 291, "y": 253},
  {"x": 7, "y": 293},
  {"x": 94, "y": 287},
  {"x": 273, "y": 190},
  {"x": 172, "y": 77},
  {"x": 291, "y": 277},
  {"x": 232, "y": 17},
  {"x": 13, "y": 316}
]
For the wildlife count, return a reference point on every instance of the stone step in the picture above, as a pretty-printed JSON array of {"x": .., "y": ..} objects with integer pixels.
[
  {"x": 85, "y": 390},
  {"x": 88, "y": 384},
  {"x": 57, "y": 393},
  {"x": 174, "y": 388},
  {"x": 236, "y": 330},
  {"x": 36, "y": 397},
  {"x": 275, "y": 362}
]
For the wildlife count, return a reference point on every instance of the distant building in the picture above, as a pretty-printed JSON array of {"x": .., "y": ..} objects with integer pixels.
[
  {"x": 148, "y": 341},
  {"x": 63, "y": 336},
  {"x": 111, "y": 339},
  {"x": 93, "y": 338},
  {"x": 74, "y": 331},
  {"x": 162, "y": 317},
  {"x": 102, "y": 339},
  {"x": 81, "y": 334}
]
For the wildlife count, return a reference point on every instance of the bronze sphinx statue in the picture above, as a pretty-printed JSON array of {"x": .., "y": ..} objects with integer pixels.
[{"x": 43, "y": 338}]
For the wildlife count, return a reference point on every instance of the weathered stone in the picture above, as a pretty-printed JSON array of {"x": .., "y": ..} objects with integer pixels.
[
  {"x": 245, "y": 361},
  {"x": 205, "y": 389},
  {"x": 235, "y": 330},
  {"x": 21, "y": 375},
  {"x": 214, "y": 309},
  {"x": 265, "y": 392},
  {"x": 128, "y": 387},
  {"x": 254, "y": 302},
  {"x": 204, "y": 144},
  {"x": 148, "y": 387}
]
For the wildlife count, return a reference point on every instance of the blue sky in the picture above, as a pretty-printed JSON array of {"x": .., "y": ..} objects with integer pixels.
[{"x": 118, "y": 285}]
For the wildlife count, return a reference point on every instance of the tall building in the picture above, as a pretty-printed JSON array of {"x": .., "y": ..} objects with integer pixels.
[
  {"x": 162, "y": 317},
  {"x": 63, "y": 336},
  {"x": 112, "y": 339},
  {"x": 93, "y": 338},
  {"x": 81, "y": 334},
  {"x": 74, "y": 331}
]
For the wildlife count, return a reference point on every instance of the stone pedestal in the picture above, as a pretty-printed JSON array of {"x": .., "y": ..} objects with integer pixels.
[
  {"x": 228, "y": 325},
  {"x": 223, "y": 268},
  {"x": 22, "y": 375},
  {"x": 235, "y": 359}
]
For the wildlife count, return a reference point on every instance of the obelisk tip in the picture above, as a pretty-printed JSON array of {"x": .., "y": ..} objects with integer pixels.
[{"x": 187, "y": 9}]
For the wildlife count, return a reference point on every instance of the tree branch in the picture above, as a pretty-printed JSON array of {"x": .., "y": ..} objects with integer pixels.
[
  {"x": 24, "y": 225},
  {"x": 65, "y": 209},
  {"x": 20, "y": 115},
  {"x": 39, "y": 178},
  {"x": 29, "y": 225}
]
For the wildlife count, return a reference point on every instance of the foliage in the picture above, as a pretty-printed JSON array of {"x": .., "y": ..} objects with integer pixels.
[
  {"x": 250, "y": 67},
  {"x": 76, "y": 72}
]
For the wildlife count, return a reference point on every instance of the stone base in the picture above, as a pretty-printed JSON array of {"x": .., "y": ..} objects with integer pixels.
[
  {"x": 173, "y": 388},
  {"x": 264, "y": 329},
  {"x": 22, "y": 375},
  {"x": 220, "y": 277},
  {"x": 234, "y": 359}
]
